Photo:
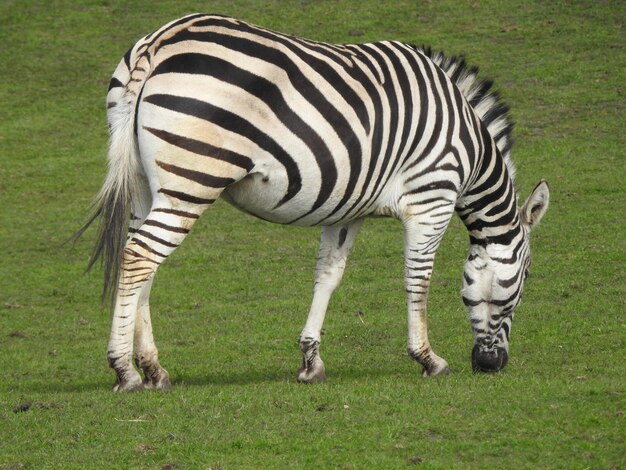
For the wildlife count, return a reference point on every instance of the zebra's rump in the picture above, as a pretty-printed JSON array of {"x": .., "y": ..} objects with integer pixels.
[{"x": 297, "y": 110}]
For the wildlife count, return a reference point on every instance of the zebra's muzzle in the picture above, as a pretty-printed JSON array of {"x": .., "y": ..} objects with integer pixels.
[{"x": 488, "y": 360}]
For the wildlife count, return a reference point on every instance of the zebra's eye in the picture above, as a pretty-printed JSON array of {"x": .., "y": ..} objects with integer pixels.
[{"x": 526, "y": 273}]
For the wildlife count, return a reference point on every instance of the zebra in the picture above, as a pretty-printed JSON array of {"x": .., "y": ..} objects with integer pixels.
[{"x": 306, "y": 133}]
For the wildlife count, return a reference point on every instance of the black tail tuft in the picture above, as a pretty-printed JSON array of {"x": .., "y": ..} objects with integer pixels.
[{"x": 112, "y": 213}]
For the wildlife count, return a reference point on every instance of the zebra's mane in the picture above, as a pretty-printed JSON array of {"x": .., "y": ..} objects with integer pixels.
[{"x": 487, "y": 103}]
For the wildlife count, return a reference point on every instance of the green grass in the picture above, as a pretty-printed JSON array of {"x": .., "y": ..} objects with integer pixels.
[{"x": 229, "y": 305}]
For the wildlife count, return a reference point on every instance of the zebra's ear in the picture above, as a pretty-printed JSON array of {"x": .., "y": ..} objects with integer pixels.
[{"x": 536, "y": 205}]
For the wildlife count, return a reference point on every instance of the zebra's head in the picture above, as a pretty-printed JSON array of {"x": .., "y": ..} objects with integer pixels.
[{"x": 493, "y": 282}]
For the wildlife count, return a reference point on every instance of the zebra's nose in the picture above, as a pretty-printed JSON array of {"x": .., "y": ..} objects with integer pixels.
[{"x": 488, "y": 359}]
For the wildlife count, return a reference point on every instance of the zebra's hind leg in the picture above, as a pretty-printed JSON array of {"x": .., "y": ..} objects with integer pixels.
[
  {"x": 335, "y": 245},
  {"x": 146, "y": 353},
  {"x": 164, "y": 228},
  {"x": 120, "y": 345}
]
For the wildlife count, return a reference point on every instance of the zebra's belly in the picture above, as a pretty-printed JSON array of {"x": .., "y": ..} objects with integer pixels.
[{"x": 261, "y": 194}]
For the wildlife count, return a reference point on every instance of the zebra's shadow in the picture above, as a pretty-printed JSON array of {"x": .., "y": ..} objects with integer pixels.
[{"x": 276, "y": 376}]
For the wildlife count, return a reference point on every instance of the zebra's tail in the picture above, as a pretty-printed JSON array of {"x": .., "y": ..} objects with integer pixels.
[
  {"x": 124, "y": 176},
  {"x": 487, "y": 103}
]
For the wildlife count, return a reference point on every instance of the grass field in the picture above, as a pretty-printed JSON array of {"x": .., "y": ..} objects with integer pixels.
[{"x": 229, "y": 305}]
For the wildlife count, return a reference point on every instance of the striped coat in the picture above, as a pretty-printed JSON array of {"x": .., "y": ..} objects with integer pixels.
[{"x": 301, "y": 132}]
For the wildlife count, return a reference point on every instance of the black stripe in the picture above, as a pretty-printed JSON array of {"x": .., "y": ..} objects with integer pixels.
[
  {"x": 167, "y": 227},
  {"x": 139, "y": 257},
  {"x": 199, "y": 177},
  {"x": 127, "y": 58},
  {"x": 188, "y": 215},
  {"x": 186, "y": 197},
  {"x": 148, "y": 248},
  {"x": 506, "y": 329},
  {"x": 505, "y": 238},
  {"x": 156, "y": 239},
  {"x": 152, "y": 38},
  {"x": 202, "y": 148},
  {"x": 515, "y": 255},
  {"x": 114, "y": 83},
  {"x": 507, "y": 200},
  {"x": 343, "y": 233},
  {"x": 432, "y": 186},
  {"x": 465, "y": 136},
  {"x": 498, "y": 168},
  {"x": 484, "y": 240},
  {"x": 137, "y": 269},
  {"x": 136, "y": 117}
]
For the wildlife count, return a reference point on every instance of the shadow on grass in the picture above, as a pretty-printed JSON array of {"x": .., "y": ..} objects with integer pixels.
[
  {"x": 243, "y": 377},
  {"x": 283, "y": 375},
  {"x": 225, "y": 377},
  {"x": 54, "y": 387}
]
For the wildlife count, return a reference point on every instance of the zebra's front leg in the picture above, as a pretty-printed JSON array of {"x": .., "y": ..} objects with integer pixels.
[
  {"x": 422, "y": 237},
  {"x": 335, "y": 245},
  {"x": 146, "y": 353}
]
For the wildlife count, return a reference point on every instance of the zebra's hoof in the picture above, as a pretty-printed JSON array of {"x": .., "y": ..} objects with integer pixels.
[
  {"x": 157, "y": 379},
  {"x": 163, "y": 385},
  {"x": 134, "y": 385},
  {"x": 316, "y": 373},
  {"x": 444, "y": 371},
  {"x": 436, "y": 369}
]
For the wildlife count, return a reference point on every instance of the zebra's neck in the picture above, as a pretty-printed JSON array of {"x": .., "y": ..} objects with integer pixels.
[{"x": 488, "y": 206}]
